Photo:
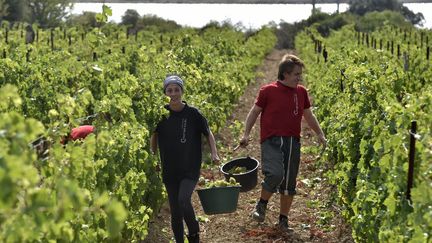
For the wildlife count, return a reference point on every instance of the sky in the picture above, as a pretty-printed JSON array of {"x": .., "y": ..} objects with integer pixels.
[{"x": 250, "y": 15}]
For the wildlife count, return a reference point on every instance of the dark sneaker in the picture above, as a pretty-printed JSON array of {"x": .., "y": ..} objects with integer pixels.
[
  {"x": 283, "y": 225},
  {"x": 259, "y": 212},
  {"x": 193, "y": 238}
]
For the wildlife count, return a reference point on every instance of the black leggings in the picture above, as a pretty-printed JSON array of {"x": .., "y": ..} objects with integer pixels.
[{"x": 179, "y": 197}]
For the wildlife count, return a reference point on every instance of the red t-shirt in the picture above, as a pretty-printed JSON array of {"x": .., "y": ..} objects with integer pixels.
[
  {"x": 81, "y": 132},
  {"x": 282, "y": 109}
]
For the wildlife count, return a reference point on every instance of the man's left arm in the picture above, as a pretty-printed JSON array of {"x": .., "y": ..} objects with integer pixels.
[{"x": 313, "y": 123}]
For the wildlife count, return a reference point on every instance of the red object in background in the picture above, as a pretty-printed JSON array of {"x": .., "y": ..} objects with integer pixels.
[
  {"x": 81, "y": 132},
  {"x": 78, "y": 133}
]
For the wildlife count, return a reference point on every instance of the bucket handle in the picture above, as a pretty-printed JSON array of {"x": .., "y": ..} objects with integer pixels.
[{"x": 240, "y": 146}]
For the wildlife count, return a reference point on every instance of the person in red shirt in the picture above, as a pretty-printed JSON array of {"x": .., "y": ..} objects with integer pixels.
[
  {"x": 42, "y": 144},
  {"x": 80, "y": 132},
  {"x": 282, "y": 104}
]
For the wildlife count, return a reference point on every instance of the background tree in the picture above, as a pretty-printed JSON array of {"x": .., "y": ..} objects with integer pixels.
[
  {"x": 86, "y": 19},
  {"x": 150, "y": 21},
  {"x": 130, "y": 17},
  {"x": 3, "y": 8},
  {"x": 414, "y": 18},
  {"x": 16, "y": 10},
  {"x": 361, "y": 7},
  {"x": 48, "y": 13},
  {"x": 324, "y": 23},
  {"x": 373, "y": 20}
]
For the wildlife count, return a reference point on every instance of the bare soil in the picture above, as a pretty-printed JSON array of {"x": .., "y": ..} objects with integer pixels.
[{"x": 314, "y": 215}]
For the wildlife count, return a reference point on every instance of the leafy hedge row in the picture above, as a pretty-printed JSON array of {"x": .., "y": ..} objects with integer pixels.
[
  {"x": 366, "y": 98},
  {"x": 104, "y": 188}
]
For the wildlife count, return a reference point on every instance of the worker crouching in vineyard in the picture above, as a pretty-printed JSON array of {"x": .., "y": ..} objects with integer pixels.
[
  {"x": 42, "y": 144},
  {"x": 178, "y": 137},
  {"x": 80, "y": 132},
  {"x": 282, "y": 104}
]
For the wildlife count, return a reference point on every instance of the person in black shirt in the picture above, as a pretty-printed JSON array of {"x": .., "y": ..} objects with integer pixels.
[{"x": 178, "y": 137}]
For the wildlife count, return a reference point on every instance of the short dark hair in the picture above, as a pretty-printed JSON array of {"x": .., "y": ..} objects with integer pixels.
[{"x": 288, "y": 63}]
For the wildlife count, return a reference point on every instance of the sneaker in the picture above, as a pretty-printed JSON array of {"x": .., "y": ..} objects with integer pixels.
[
  {"x": 259, "y": 212},
  {"x": 283, "y": 225}
]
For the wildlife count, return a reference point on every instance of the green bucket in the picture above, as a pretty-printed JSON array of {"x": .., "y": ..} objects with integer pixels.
[{"x": 217, "y": 200}]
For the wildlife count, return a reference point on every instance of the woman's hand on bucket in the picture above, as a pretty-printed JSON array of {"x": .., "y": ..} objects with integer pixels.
[{"x": 215, "y": 158}]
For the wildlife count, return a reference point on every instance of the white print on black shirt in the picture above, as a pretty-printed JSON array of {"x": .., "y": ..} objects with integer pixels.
[
  {"x": 184, "y": 124},
  {"x": 296, "y": 105}
]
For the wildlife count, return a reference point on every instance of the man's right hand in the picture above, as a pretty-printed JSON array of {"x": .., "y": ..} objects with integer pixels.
[{"x": 244, "y": 141}]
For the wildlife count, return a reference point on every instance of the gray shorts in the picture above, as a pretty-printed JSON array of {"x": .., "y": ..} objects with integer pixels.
[{"x": 280, "y": 164}]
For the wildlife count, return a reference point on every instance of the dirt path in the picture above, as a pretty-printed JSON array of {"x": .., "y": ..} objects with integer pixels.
[{"x": 313, "y": 216}]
